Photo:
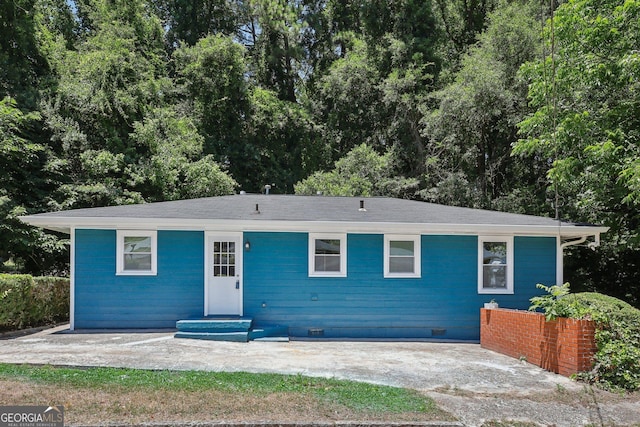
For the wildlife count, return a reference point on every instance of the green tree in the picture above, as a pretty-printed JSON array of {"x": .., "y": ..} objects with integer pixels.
[
  {"x": 21, "y": 62},
  {"x": 175, "y": 167},
  {"x": 470, "y": 134},
  {"x": 211, "y": 75},
  {"x": 362, "y": 172},
  {"x": 586, "y": 126},
  {"x": 283, "y": 144},
  {"x": 188, "y": 21},
  {"x": 26, "y": 186},
  {"x": 272, "y": 31},
  {"x": 462, "y": 21},
  {"x": 347, "y": 100}
]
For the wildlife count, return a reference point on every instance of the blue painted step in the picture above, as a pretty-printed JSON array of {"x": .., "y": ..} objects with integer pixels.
[
  {"x": 270, "y": 333},
  {"x": 236, "y": 329},
  {"x": 214, "y": 336},
  {"x": 219, "y": 325}
]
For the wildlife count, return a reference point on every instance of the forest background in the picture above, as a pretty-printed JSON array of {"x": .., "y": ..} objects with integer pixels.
[{"x": 520, "y": 106}]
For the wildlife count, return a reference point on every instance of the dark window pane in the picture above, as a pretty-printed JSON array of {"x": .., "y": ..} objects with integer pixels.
[
  {"x": 494, "y": 276},
  {"x": 137, "y": 262},
  {"x": 327, "y": 263},
  {"x": 401, "y": 248},
  {"x": 401, "y": 265},
  {"x": 327, "y": 246},
  {"x": 137, "y": 244},
  {"x": 494, "y": 253}
]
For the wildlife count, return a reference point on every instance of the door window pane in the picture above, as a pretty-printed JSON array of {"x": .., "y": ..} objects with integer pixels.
[{"x": 224, "y": 259}]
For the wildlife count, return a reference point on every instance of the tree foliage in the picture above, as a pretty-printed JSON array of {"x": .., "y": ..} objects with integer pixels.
[
  {"x": 120, "y": 101},
  {"x": 362, "y": 172},
  {"x": 585, "y": 126}
]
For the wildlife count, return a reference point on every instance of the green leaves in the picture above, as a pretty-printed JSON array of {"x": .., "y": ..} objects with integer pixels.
[
  {"x": 617, "y": 360},
  {"x": 549, "y": 303},
  {"x": 362, "y": 172}
]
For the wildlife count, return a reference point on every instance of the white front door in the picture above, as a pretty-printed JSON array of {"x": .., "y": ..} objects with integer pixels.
[{"x": 223, "y": 276}]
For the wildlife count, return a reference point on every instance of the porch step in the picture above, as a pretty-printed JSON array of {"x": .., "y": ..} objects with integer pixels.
[
  {"x": 270, "y": 333},
  {"x": 218, "y": 325},
  {"x": 215, "y": 336},
  {"x": 235, "y": 329}
]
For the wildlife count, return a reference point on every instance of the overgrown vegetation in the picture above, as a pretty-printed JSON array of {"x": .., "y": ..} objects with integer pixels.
[
  {"x": 359, "y": 397},
  {"x": 27, "y": 301},
  {"x": 106, "y": 102},
  {"x": 617, "y": 360}
]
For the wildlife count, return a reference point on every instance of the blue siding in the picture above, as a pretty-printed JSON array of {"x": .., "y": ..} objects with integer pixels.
[
  {"x": 444, "y": 303},
  {"x": 535, "y": 262},
  {"x": 104, "y": 300}
]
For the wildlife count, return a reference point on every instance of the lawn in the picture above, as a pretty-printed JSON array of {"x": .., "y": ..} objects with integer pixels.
[{"x": 112, "y": 395}]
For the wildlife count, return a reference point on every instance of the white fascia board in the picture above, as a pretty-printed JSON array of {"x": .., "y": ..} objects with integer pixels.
[{"x": 64, "y": 224}]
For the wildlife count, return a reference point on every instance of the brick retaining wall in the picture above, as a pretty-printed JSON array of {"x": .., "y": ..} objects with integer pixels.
[{"x": 564, "y": 346}]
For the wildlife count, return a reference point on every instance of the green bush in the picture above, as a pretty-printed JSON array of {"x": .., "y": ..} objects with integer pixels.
[
  {"x": 617, "y": 360},
  {"x": 27, "y": 301}
]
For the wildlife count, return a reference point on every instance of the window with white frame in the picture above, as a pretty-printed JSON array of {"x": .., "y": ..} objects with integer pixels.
[
  {"x": 136, "y": 252},
  {"x": 401, "y": 256},
  {"x": 495, "y": 269},
  {"x": 327, "y": 255}
]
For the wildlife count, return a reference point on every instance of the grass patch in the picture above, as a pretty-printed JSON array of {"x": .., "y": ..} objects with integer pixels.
[{"x": 237, "y": 396}]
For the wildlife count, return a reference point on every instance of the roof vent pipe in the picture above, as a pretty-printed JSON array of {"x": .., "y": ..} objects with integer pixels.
[
  {"x": 257, "y": 209},
  {"x": 362, "y": 208}
]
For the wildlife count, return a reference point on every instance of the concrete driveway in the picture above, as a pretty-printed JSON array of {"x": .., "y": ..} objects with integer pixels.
[{"x": 473, "y": 383}]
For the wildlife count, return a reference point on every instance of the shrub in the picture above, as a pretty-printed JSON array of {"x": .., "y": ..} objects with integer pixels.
[
  {"x": 27, "y": 301},
  {"x": 617, "y": 360}
]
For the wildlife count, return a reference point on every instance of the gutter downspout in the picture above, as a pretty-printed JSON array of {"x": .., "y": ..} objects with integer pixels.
[{"x": 560, "y": 253}]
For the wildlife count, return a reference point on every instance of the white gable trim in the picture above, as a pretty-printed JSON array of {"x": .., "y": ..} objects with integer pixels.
[{"x": 64, "y": 224}]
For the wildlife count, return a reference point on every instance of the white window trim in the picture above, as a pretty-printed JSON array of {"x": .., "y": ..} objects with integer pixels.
[
  {"x": 510, "y": 265},
  {"x": 120, "y": 235},
  {"x": 343, "y": 254},
  {"x": 416, "y": 255}
]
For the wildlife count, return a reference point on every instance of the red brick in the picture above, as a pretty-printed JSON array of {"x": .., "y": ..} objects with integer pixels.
[{"x": 564, "y": 346}]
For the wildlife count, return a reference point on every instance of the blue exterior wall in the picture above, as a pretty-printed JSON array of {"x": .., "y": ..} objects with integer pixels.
[
  {"x": 104, "y": 300},
  {"x": 443, "y": 303}
]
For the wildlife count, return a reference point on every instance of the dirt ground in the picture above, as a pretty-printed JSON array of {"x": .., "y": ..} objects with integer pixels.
[{"x": 473, "y": 384}]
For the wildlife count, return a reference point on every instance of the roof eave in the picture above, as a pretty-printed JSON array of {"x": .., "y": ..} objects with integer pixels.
[{"x": 65, "y": 224}]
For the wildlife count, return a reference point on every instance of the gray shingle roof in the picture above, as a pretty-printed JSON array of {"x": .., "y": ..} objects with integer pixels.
[{"x": 306, "y": 208}]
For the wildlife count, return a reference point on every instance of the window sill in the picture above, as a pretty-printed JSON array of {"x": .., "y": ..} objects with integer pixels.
[
  {"x": 402, "y": 276},
  {"x": 495, "y": 291},
  {"x": 136, "y": 273},
  {"x": 328, "y": 275}
]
